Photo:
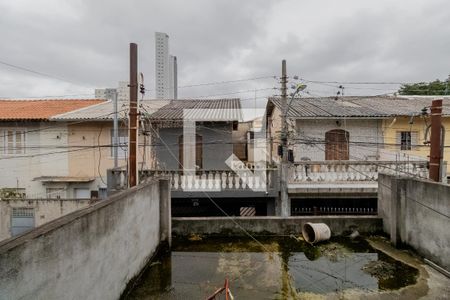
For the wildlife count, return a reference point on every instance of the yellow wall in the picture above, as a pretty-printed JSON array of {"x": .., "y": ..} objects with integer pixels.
[
  {"x": 95, "y": 161},
  {"x": 392, "y": 126}
]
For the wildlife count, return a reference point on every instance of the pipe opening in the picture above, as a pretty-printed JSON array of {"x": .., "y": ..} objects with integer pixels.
[{"x": 308, "y": 233}]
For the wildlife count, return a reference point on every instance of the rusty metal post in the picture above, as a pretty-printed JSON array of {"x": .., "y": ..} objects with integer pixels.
[
  {"x": 132, "y": 118},
  {"x": 435, "y": 145}
]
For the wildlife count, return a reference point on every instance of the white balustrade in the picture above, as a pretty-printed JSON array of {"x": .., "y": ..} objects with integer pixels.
[{"x": 352, "y": 171}]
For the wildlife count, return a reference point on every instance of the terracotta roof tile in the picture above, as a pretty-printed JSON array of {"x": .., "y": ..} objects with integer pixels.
[{"x": 41, "y": 109}]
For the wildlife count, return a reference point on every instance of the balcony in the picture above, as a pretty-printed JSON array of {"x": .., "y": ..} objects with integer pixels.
[
  {"x": 214, "y": 183},
  {"x": 354, "y": 178}
]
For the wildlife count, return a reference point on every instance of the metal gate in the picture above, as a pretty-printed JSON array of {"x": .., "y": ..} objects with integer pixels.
[{"x": 22, "y": 219}]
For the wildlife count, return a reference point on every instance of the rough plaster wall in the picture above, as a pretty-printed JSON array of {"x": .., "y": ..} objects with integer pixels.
[
  {"x": 45, "y": 210},
  {"x": 425, "y": 229},
  {"x": 359, "y": 131},
  {"x": 93, "y": 256},
  {"x": 384, "y": 204},
  {"x": 416, "y": 223},
  {"x": 217, "y": 146}
]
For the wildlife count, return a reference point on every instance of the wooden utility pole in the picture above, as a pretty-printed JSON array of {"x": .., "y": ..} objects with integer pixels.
[
  {"x": 435, "y": 144},
  {"x": 132, "y": 119},
  {"x": 284, "y": 207}
]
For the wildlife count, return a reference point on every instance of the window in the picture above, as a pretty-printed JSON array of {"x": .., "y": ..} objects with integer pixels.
[
  {"x": 336, "y": 145},
  {"x": 122, "y": 143},
  {"x": 251, "y": 135},
  {"x": 405, "y": 140},
  {"x": 13, "y": 141}
]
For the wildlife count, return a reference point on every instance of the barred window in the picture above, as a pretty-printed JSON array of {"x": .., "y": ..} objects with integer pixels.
[{"x": 12, "y": 141}]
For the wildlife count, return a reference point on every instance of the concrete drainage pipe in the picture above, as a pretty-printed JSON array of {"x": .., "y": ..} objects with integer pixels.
[{"x": 316, "y": 232}]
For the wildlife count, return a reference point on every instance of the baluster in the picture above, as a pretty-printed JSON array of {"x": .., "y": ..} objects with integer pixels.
[
  {"x": 229, "y": 180},
  {"x": 209, "y": 179},
  {"x": 175, "y": 180},
  {"x": 217, "y": 180},
  {"x": 244, "y": 180},
  {"x": 190, "y": 184},
  {"x": 203, "y": 181},
  {"x": 223, "y": 177}
]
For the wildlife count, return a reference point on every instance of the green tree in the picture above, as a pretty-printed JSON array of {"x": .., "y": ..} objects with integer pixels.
[{"x": 436, "y": 87}]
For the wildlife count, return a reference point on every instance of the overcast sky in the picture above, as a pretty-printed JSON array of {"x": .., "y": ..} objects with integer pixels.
[{"x": 86, "y": 43}]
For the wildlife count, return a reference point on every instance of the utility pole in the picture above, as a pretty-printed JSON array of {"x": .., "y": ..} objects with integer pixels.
[
  {"x": 435, "y": 144},
  {"x": 284, "y": 207},
  {"x": 132, "y": 119},
  {"x": 115, "y": 131}
]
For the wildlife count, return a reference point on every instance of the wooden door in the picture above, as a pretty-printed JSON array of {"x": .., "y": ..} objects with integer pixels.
[{"x": 337, "y": 145}]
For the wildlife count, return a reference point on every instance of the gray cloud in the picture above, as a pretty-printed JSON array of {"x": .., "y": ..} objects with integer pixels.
[{"x": 86, "y": 42}]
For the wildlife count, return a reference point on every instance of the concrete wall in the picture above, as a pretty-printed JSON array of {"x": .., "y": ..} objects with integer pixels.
[
  {"x": 45, "y": 210},
  {"x": 273, "y": 225},
  {"x": 92, "y": 253},
  {"x": 416, "y": 213},
  {"x": 361, "y": 130},
  {"x": 217, "y": 146}
]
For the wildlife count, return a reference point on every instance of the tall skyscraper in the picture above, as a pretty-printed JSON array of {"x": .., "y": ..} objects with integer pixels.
[
  {"x": 173, "y": 85},
  {"x": 165, "y": 68}
]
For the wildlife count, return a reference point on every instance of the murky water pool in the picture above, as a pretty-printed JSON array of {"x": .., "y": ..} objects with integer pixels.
[{"x": 280, "y": 268}]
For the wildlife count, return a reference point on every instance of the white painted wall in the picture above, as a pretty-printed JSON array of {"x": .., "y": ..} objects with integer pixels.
[
  {"x": 20, "y": 170},
  {"x": 360, "y": 130}
]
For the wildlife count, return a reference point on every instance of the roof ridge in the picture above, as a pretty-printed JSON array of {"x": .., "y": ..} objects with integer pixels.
[
  {"x": 78, "y": 110},
  {"x": 56, "y": 99}
]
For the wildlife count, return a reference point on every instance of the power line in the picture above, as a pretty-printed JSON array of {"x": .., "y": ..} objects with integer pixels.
[
  {"x": 218, "y": 82},
  {"x": 37, "y": 72},
  {"x": 356, "y": 82}
]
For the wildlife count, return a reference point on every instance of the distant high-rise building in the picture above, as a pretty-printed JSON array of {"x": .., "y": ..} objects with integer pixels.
[
  {"x": 173, "y": 85},
  {"x": 165, "y": 68},
  {"x": 105, "y": 93},
  {"x": 123, "y": 92}
]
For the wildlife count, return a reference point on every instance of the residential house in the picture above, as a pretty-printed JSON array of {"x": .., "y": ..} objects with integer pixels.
[
  {"x": 90, "y": 134},
  {"x": 404, "y": 131},
  {"x": 339, "y": 146},
  {"x": 192, "y": 143},
  {"x": 33, "y": 146}
]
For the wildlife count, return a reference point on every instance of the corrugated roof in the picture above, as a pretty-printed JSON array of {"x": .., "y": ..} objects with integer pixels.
[
  {"x": 403, "y": 106},
  {"x": 201, "y": 110},
  {"x": 105, "y": 111},
  {"x": 41, "y": 109},
  {"x": 358, "y": 107}
]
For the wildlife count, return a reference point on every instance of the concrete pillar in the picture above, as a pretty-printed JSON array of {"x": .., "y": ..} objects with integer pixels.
[
  {"x": 398, "y": 210},
  {"x": 165, "y": 213},
  {"x": 189, "y": 142}
]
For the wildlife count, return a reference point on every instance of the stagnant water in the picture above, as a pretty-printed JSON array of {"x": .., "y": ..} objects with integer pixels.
[{"x": 282, "y": 268}]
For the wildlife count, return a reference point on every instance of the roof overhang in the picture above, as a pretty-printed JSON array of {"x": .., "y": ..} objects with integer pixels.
[{"x": 80, "y": 179}]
